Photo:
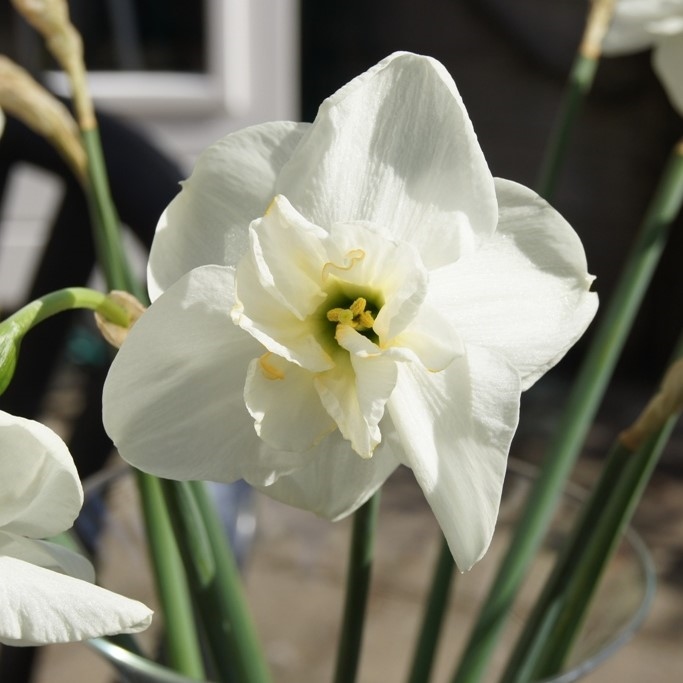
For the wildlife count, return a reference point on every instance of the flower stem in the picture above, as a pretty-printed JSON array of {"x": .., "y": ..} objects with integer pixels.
[
  {"x": 357, "y": 589},
  {"x": 66, "y": 299},
  {"x": 558, "y": 614},
  {"x": 107, "y": 233},
  {"x": 437, "y": 605},
  {"x": 171, "y": 581},
  {"x": 181, "y": 636},
  {"x": 583, "y": 402},
  {"x": 578, "y": 85},
  {"x": 227, "y": 609}
]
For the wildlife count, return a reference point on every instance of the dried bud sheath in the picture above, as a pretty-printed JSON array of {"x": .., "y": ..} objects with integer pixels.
[{"x": 26, "y": 99}]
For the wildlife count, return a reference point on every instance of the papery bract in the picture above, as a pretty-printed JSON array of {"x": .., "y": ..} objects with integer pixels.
[
  {"x": 333, "y": 300},
  {"x": 642, "y": 24},
  {"x": 46, "y": 591}
]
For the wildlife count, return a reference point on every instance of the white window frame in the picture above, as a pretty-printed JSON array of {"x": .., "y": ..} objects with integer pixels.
[{"x": 252, "y": 50}]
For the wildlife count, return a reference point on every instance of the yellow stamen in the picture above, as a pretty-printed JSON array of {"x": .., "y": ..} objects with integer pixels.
[
  {"x": 269, "y": 371},
  {"x": 355, "y": 316}
]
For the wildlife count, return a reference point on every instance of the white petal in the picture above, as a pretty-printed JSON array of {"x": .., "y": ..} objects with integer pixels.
[
  {"x": 231, "y": 185},
  {"x": 174, "y": 398},
  {"x": 289, "y": 257},
  {"x": 455, "y": 427},
  {"x": 668, "y": 63},
  {"x": 40, "y": 492},
  {"x": 43, "y": 606},
  {"x": 283, "y": 401},
  {"x": 395, "y": 147},
  {"x": 47, "y": 555},
  {"x": 274, "y": 325},
  {"x": 634, "y": 24},
  {"x": 430, "y": 339},
  {"x": 337, "y": 481},
  {"x": 525, "y": 293},
  {"x": 354, "y": 393}
]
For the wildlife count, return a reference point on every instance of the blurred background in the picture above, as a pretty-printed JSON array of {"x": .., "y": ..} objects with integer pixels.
[{"x": 171, "y": 77}]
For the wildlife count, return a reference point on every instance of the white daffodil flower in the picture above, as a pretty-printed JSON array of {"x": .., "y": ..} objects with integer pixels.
[
  {"x": 46, "y": 591},
  {"x": 642, "y": 24},
  {"x": 334, "y": 299}
]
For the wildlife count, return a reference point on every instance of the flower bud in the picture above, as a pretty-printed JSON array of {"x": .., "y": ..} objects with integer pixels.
[
  {"x": 26, "y": 99},
  {"x": 113, "y": 333}
]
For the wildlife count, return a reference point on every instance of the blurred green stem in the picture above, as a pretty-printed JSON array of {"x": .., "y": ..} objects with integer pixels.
[
  {"x": 171, "y": 582},
  {"x": 558, "y": 614},
  {"x": 435, "y": 612},
  {"x": 107, "y": 227},
  {"x": 216, "y": 584},
  {"x": 578, "y": 85},
  {"x": 182, "y": 646},
  {"x": 583, "y": 402},
  {"x": 357, "y": 590}
]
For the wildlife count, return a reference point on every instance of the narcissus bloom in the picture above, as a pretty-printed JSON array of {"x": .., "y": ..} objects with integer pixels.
[
  {"x": 46, "y": 591},
  {"x": 334, "y": 299},
  {"x": 641, "y": 24}
]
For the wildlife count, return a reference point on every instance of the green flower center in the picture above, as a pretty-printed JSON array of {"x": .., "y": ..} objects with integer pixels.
[{"x": 351, "y": 305}]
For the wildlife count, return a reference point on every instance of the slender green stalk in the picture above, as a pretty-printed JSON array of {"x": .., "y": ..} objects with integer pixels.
[
  {"x": 568, "y": 592},
  {"x": 62, "y": 300},
  {"x": 435, "y": 612},
  {"x": 107, "y": 232},
  {"x": 13, "y": 329},
  {"x": 582, "y": 405},
  {"x": 171, "y": 581},
  {"x": 227, "y": 618},
  {"x": 357, "y": 589},
  {"x": 579, "y": 84},
  {"x": 180, "y": 633}
]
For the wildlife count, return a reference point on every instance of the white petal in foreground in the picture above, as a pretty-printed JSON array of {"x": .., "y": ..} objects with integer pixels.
[
  {"x": 40, "y": 492},
  {"x": 395, "y": 147},
  {"x": 231, "y": 185},
  {"x": 43, "y": 606},
  {"x": 525, "y": 293},
  {"x": 173, "y": 401},
  {"x": 455, "y": 428}
]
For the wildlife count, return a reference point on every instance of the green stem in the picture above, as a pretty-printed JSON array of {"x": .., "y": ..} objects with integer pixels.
[
  {"x": 62, "y": 300},
  {"x": 582, "y": 405},
  {"x": 107, "y": 228},
  {"x": 181, "y": 636},
  {"x": 579, "y": 84},
  {"x": 437, "y": 606},
  {"x": 357, "y": 590},
  {"x": 13, "y": 329},
  {"x": 229, "y": 626},
  {"x": 567, "y": 594},
  {"x": 171, "y": 582}
]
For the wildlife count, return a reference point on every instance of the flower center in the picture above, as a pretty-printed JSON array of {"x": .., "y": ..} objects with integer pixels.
[
  {"x": 355, "y": 315},
  {"x": 347, "y": 304}
]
